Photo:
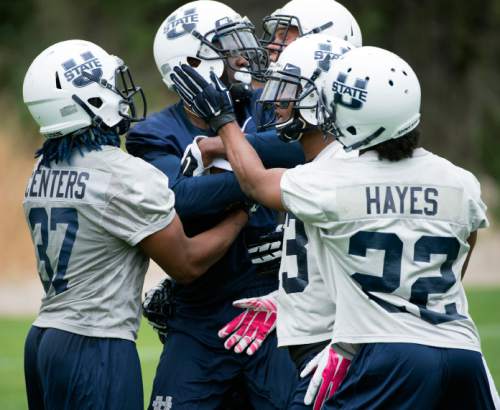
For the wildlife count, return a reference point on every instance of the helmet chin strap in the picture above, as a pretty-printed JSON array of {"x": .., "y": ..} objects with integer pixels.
[
  {"x": 121, "y": 128},
  {"x": 295, "y": 129},
  {"x": 365, "y": 141},
  {"x": 96, "y": 120}
]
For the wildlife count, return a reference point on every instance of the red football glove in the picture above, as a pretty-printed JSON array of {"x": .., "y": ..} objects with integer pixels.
[
  {"x": 249, "y": 329},
  {"x": 331, "y": 369}
]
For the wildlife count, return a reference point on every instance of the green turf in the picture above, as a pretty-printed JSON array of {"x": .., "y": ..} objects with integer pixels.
[
  {"x": 12, "y": 334},
  {"x": 484, "y": 305}
]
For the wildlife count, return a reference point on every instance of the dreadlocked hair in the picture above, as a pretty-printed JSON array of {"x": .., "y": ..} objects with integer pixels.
[
  {"x": 397, "y": 149},
  {"x": 88, "y": 139}
]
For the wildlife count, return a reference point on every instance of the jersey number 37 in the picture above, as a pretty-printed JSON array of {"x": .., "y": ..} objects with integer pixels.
[{"x": 58, "y": 216}]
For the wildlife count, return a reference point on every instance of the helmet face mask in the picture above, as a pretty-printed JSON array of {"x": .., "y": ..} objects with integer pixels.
[
  {"x": 299, "y": 18},
  {"x": 213, "y": 34},
  {"x": 286, "y": 92},
  {"x": 277, "y": 29},
  {"x": 133, "y": 98},
  {"x": 132, "y": 106},
  {"x": 292, "y": 100},
  {"x": 235, "y": 39}
]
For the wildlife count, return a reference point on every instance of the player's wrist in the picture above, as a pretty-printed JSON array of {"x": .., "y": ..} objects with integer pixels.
[
  {"x": 240, "y": 217},
  {"x": 228, "y": 129},
  {"x": 220, "y": 121}
]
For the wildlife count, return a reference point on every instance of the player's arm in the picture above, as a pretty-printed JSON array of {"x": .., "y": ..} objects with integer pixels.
[
  {"x": 186, "y": 259},
  {"x": 273, "y": 152},
  {"x": 472, "y": 242},
  {"x": 206, "y": 195},
  {"x": 261, "y": 184}
]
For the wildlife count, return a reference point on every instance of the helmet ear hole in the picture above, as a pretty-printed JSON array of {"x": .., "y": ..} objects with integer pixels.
[
  {"x": 58, "y": 82},
  {"x": 351, "y": 130},
  {"x": 193, "y": 62},
  {"x": 95, "y": 102}
]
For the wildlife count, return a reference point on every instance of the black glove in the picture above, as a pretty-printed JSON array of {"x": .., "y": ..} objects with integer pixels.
[
  {"x": 158, "y": 307},
  {"x": 265, "y": 251},
  {"x": 210, "y": 101}
]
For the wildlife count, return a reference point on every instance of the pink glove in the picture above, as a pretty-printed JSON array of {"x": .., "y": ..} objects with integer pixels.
[
  {"x": 249, "y": 329},
  {"x": 331, "y": 369}
]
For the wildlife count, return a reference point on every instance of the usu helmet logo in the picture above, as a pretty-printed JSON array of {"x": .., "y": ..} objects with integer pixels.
[
  {"x": 357, "y": 94},
  {"x": 73, "y": 71},
  {"x": 325, "y": 49},
  {"x": 177, "y": 27}
]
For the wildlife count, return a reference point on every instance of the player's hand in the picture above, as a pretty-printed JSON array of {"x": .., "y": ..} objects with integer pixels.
[
  {"x": 156, "y": 306},
  {"x": 192, "y": 160},
  {"x": 210, "y": 101},
  {"x": 265, "y": 252},
  {"x": 330, "y": 369},
  {"x": 249, "y": 329}
]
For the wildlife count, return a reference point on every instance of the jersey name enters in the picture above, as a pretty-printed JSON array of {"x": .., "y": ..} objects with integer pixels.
[
  {"x": 413, "y": 200},
  {"x": 57, "y": 183}
]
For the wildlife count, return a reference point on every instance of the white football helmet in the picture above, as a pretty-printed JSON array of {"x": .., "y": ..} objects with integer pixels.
[
  {"x": 75, "y": 84},
  {"x": 294, "y": 82},
  {"x": 373, "y": 95},
  {"x": 311, "y": 16},
  {"x": 206, "y": 32}
]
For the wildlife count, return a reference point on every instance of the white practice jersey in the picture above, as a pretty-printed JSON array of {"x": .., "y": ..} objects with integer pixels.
[
  {"x": 395, "y": 240},
  {"x": 86, "y": 219},
  {"x": 306, "y": 310}
]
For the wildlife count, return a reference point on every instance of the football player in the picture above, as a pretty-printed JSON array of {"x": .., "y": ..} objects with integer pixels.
[
  {"x": 307, "y": 312},
  {"x": 195, "y": 369},
  {"x": 95, "y": 215},
  {"x": 394, "y": 229},
  {"x": 298, "y": 18}
]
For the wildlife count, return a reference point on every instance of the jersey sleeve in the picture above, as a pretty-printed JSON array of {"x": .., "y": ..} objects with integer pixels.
[
  {"x": 302, "y": 195},
  {"x": 141, "y": 205},
  {"x": 476, "y": 208}
]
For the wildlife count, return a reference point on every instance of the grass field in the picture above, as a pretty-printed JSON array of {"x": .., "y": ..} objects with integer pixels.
[{"x": 484, "y": 306}]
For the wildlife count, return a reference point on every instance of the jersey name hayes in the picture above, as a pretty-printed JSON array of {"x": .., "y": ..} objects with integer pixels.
[
  {"x": 413, "y": 200},
  {"x": 57, "y": 183}
]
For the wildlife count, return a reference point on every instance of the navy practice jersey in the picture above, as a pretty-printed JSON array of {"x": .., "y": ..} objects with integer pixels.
[{"x": 202, "y": 201}]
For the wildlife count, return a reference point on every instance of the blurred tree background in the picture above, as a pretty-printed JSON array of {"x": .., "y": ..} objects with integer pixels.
[{"x": 453, "y": 45}]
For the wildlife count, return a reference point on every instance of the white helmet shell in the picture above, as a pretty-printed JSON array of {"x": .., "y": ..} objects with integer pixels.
[
  {"x": 374, "y": 95},
  {"x": 56, "y": 75},
  {"x": 174, "y": 42},
  {"x": 312, "y": 15}
]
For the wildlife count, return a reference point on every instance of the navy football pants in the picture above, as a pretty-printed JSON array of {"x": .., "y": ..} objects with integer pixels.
[
  {"x": 403, "y": 376},
  {"x": 193, "y": 376},
  {"x": 68, "y": 371}
]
